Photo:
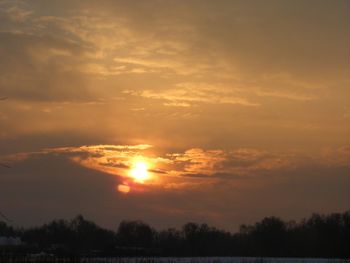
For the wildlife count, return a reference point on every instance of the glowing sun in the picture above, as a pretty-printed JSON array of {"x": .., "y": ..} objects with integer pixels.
[{"x": 139, "y": 171}]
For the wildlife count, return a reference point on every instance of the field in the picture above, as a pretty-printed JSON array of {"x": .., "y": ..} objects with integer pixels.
[
  {"x": 221, "y": 260},
  {"x": 48, "y": 259}
]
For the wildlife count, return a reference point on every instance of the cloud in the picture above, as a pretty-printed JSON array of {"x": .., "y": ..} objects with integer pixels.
[
  {"x": 188, "y": 94},
  {"x": 246, "y": 53},
  {"x": 40, "y": 68},
  {"x": 18, "y": 14},
  {"x": 89, "y": 176},
  {"x": 198, "y": 162},
  {"x": 242, "y": 100},
  {"x": 176, "y": 170}
]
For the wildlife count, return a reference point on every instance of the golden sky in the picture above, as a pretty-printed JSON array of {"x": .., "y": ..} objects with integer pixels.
[{"x": 233, "y": 110}]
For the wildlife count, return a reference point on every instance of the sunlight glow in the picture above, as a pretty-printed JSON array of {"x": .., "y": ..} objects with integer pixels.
[
  {"x": 123, "y": 188},
  {"x": 139, "y": 171}
]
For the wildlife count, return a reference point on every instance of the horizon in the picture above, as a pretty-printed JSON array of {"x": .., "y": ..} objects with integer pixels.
[
  {"x": 299, "y": 221},
  {"x": 170, "y": 111}
]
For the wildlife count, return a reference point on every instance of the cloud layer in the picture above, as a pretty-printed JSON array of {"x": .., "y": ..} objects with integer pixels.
[{"x": 244, "y": 102}]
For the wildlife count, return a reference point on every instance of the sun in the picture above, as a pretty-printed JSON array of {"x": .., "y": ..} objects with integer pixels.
[{"x": 139, "y": 171}]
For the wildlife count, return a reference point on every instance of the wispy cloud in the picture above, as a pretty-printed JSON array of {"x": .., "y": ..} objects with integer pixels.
[{"x": 189, "y": 94}]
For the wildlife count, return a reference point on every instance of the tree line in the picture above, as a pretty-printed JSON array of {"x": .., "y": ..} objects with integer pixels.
[{"x": 316, "y": 236}]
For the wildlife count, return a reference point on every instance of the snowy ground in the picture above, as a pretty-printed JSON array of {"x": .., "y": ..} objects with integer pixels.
[{"x": 218, "y": 260}]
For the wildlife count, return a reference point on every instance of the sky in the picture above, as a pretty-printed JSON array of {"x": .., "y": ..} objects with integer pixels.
[{"x": 170, "y": 111}]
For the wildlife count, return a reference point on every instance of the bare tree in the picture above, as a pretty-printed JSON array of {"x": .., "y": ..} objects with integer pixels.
[
  {"x": 2, "y": 164},
  {"x": 5, "y": 217},
  {"x": 6, "y": 166}
]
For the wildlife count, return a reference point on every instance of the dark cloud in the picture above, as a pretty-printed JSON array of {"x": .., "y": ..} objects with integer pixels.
[
  {"x": 116, "y": 164},
  {"x": 35, "y": 192},
  {"x": 49, "y": 184},
  {"x": 158, "y": 171}
]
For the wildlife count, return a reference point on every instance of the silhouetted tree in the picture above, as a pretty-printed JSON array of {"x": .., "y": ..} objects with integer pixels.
[
  {"x": 76, "y": 236},
  {"x": 6, "y": 230},
  {"x": 269, "y": 237},
  {"x": 135, "y": 234},
  {"x": 170, "y": 242},
  {"x": 317, "y": 236},
  {"x": 88, "y": 236}
]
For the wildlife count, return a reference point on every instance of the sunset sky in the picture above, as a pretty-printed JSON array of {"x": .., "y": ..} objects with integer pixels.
[{"x": 170, "y": 111}]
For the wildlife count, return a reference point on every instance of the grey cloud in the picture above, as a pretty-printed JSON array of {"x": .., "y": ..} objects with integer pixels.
[
  {"x": 271, "y": 36},
  {"x": 41, "y": 68},
  {"x": 35, "y": 192},
  {"x": 198, "y": 175},
  {"x": 158, "y": 171},
  {"x": 116, "y": 164},
  {"x": 259, "y": 41}
]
